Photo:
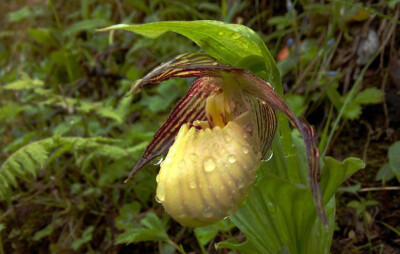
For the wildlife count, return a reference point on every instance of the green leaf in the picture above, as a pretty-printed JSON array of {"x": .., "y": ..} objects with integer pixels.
[
  {"x": 85, "y": 25},
  {"x": 369, "y": 96},
  {"x": 393, "y": 3},
  {"x": 24, "y": 83},
  {"x": 385, "y": 173},
  {"x": 25, "y": 12},
  {"x": 127, "y": 214},
  {"x": 352, "y": 189},
  {"x": 296, "y": 103},
  {"x": 154, "y": 231},
  {"x": 152, "y": 221},
  {"x": 43, "y": 233},
  {"x": 245, "y": 247},
  {"x": 85, "y": 238},
  {"x": 205, "y": 234},
  {"x": 43, "y": 36},
  {"x": 394, "y": 159},
  {"x": 166, "y": 94},
  {"x": 276, "y": 207},
  {"x": 229, "y": 43},
  {"x": 142, "y": 234}
]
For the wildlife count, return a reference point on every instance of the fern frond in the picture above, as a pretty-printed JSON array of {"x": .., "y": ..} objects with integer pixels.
[{"x": 26, "y": 161}]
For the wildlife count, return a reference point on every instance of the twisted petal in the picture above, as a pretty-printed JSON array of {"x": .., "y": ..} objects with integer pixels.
[
  {"x": 190, "y": 108},
  {"x": 263, "y": 91},
  {"x": 184, "y": 66},
  {"x": 266, "y": 121}
]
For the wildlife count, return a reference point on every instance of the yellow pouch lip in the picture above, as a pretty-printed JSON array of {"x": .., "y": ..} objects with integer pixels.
[{"x": 208, "y": 172}]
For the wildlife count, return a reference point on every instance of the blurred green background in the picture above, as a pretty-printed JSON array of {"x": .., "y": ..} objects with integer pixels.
[{"x": 65, "y": 121}]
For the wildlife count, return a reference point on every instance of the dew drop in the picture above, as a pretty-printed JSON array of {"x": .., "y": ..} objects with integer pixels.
[
  {"x": 220, "y": 33},
  {"x": 208, "y": 164},
  {"x": 160, "y": 193},
  {"x": 227, "y": 138},
  {"x": 159, "y": 162},
  {"x": 231, "y": 209},
  {"x": 231, "y": 158},
  {"x": 268, "y": 155},
  {"x": 194, "y": 157},
  {"x": 271, "y": 207},
  {"x": 192, "y": 185},
  {"x": 240, "y": 183},
  {"x": 181, "y": 164},
  {"x": 232, "y": 105},
  {"x": 208, "y": 212},
  {"x": 236, "y": 36},
  {"x": 219, "y": 213},
  {"x": 245, "y": 150}
]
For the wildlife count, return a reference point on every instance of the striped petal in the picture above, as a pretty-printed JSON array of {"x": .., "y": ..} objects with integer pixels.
[
  {"x": 263, "y": 91},
  {"x": 184, "y": 66},
  {"x": 189, "y": 109},
  {"x": 266, "y": 121}
]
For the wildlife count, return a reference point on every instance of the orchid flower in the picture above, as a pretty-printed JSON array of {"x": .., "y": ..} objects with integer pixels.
[{"x": 215, "y": 139}]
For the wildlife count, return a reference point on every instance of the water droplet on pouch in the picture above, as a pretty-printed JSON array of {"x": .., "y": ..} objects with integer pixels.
[
  {"x": 208, "y": 212},
  {"x": 227, "y": 138},
  {"x": 240, "y": 183},
  {"x": 181, "y": 164},
  {"x": 245, "y": 150},
  {"x": 159, "y": 162},
  {"x": 219, "y": 213},
  {"x": 231, "y": 209},
  {"x": 160, "y": 196},
  {"x": 208, "y": 164},
  {"x": 194, "y": 157},
  {"x": 231, "y": 158},
  {"x": 192, "y": 185}
]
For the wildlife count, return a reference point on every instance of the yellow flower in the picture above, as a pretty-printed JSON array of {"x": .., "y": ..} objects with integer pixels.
[{"x": 215, "y": 138}]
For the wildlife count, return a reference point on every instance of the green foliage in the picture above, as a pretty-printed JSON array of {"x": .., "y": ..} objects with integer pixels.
[
  {"x": 153, "y": 230},
  {"x": 392, "y": 168},
  {"x": 361, "y": 206},
  {"x": 69, "y": 137},
  {"x": 230, "y": 43},
  {"x": 26, "y": 161},
  {"x": 85, "y": 238},
  {"x": 205, "y": 234},
  {"x": 279, "y": 214}
]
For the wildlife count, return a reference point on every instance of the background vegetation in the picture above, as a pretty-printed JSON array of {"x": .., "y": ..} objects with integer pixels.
[{"x": 69, "y": 137}]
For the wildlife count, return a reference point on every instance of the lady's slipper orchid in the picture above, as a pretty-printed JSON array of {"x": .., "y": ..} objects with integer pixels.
[{"x": 216, "y": 137}]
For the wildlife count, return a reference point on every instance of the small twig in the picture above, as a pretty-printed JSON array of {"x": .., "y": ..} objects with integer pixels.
[
  {"x": 369, "y": 134},
  {"x": 386, "y": 188}
]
